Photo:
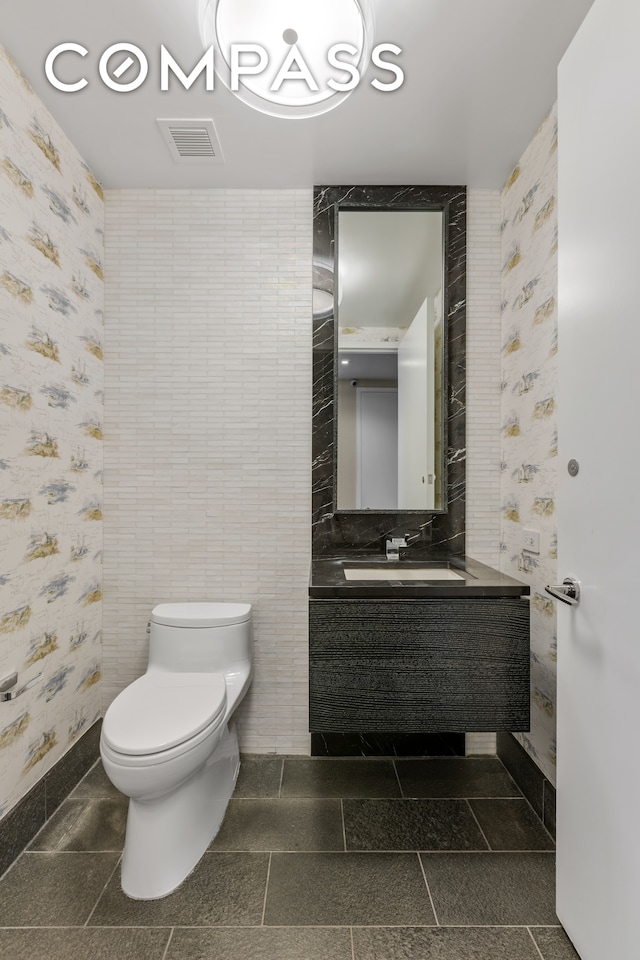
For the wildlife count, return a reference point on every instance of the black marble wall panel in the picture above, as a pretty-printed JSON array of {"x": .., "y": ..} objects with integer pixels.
[
  {"x": 441, "y": 533},
  {"x": 537, "y": 789},
  {"x": 387, "y": 744},
  {"x": 71, "y": 768},
  {"x": 20, "y": 825},
  {"x": 419, "y": 666}
]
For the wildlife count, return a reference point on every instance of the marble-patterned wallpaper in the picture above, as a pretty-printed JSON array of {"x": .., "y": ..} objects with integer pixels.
[
  {"x": 529, "y": 424},
  {"x": 51, "y": 298}
]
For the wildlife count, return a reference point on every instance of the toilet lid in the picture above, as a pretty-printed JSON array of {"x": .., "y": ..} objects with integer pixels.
[
  {"x": 200, "y": 614},
  {"x": 162, "y": 710}
]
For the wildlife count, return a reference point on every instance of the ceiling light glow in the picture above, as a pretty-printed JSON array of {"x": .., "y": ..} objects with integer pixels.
[{"x": 316, "y": 51}]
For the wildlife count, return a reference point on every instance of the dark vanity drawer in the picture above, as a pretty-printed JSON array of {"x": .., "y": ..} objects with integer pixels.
[{"x": 419, "y": 665}]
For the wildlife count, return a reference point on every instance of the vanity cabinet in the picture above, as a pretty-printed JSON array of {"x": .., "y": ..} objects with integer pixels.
[{"x": 457, "y": 665}]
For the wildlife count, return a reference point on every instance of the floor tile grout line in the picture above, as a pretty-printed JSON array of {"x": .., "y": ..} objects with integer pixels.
[
  {"x": 426, "y": 883},
  {"x": 461, "y": 796},
  {"x": 464, "y": 926},
  {"x": 344, "y": 829},
  {"x": 548, "y": 853},
  {"x": 453, "y": 926},
  {"x": 63, "y": 853},
  {"x": 284, "y": 800},
  {"x": 166, "y": 949},
  {"x": 109, "y": 879},
  {"x": 266, "y": 890},
  {"x": 395, "y": 770},
  {"x": 99, "y": 926},
  {"x": 280, "y": 926},
  {"x": 535, "y": 943},
  {"x": 329, "y": 850},
  {"x": 45, "y": 824},
  {"x": 117, "y": 850},
  {"x": 279, "y": 797},
  {"x": 473, "y": 814},
  {"x": 338, "y": 796},
  {"x": 353, "y": 946}
]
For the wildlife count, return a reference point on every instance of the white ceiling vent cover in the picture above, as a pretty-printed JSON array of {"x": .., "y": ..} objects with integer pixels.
[{"x": 192, "y": 141}]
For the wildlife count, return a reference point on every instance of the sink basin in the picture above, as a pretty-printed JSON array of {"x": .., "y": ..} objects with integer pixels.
[{"x": 398, "y": 573}]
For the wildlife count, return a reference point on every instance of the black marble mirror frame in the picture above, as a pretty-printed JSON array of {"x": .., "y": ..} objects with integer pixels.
[{"x": 442, "y": 533}]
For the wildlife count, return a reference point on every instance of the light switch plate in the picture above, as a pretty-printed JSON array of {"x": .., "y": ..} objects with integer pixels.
[{"x": 531, "y": 541}]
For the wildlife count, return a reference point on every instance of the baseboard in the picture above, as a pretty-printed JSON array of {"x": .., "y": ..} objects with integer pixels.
[
  {"x": 387, "y": 744},
  {"x": 20, "y": 825},
  {"x": 539, "y": 791}
]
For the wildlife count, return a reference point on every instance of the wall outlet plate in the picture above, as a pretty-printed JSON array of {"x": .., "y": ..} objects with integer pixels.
[{"x": 531, "y": 541}]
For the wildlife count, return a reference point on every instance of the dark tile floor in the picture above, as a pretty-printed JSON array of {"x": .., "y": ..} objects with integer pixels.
[{"x": 318, "y": 859}]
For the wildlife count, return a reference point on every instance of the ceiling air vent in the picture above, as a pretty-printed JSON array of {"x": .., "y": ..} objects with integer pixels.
[{"x": 192, "y": 141}]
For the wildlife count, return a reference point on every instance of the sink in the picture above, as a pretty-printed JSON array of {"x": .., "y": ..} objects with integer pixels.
[{"x": 399, "y": 573}]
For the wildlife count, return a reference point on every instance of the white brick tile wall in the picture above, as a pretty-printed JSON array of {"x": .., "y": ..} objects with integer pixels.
[
  {"x": 483, "y": 375},
  {"x": 207, "y": 430},
  {"x": 483, "y": 394},
  {"x": 207, "y": 424},
  {"x": 480, "y": 744}
]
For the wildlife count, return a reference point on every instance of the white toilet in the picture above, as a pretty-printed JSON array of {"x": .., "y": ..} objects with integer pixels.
[{"x": 167, "y": 744}]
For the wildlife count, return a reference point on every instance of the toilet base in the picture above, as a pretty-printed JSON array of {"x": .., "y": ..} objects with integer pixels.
[{"x": 167, "y": 836}]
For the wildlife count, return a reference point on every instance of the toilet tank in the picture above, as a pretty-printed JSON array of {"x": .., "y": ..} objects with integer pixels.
[{"x": 199, "y": 637}]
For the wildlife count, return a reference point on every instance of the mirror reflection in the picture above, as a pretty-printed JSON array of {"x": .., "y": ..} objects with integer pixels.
[{"x": 390, "y": 359}]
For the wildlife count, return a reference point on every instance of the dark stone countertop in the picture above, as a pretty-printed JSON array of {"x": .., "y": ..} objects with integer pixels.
[{"x": 327, "y": 580}]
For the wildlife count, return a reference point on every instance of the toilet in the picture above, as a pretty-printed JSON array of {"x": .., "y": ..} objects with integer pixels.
[{"x": 167, "y": 742}]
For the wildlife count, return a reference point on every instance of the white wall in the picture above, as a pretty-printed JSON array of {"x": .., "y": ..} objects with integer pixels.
[
  {"x": 208, "y": 413},
  {"x": 483, "y": 394}
]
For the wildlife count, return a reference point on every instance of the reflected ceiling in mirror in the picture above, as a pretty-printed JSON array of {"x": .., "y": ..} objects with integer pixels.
[{"x": 390, "y": 353}]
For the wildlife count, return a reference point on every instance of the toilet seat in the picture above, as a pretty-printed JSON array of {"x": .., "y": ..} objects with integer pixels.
[{"x": 161, "y": 714}]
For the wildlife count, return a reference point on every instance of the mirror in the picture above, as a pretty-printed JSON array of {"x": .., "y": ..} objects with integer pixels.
[
  {"x": 388, "y": 303},
  {"x": 337, "y": 528}
]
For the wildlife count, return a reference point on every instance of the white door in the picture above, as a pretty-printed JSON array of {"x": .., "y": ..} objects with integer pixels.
[
  {"x": 377, "y": 419},
  {"x": 598, "y": 885}
]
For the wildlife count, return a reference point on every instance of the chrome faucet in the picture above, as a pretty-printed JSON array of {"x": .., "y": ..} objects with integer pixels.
[
  {"x": 392, "y": 549},
  {"x": 395, "y": 544}
]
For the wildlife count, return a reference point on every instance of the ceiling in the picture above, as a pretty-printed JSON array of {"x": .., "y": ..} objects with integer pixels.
[{"x": 480, "y": 75}]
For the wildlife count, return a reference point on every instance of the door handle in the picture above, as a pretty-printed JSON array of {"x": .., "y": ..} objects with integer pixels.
[{"x": 568, "y": 591}]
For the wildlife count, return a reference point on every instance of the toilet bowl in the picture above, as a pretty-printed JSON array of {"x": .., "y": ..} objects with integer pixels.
[{"x": 167, "y": 742}]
